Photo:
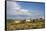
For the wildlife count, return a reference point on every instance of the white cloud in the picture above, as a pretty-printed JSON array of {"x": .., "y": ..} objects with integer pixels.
[
  {"x": 13, "y": 8},
  {"x": 13, "y": 5}
]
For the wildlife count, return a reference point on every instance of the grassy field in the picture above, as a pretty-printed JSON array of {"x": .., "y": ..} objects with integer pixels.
[{"x": 26, "y": 25}]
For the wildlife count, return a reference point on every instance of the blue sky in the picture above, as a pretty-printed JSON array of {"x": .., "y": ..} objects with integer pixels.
[{"x": 23, "y": 10}]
